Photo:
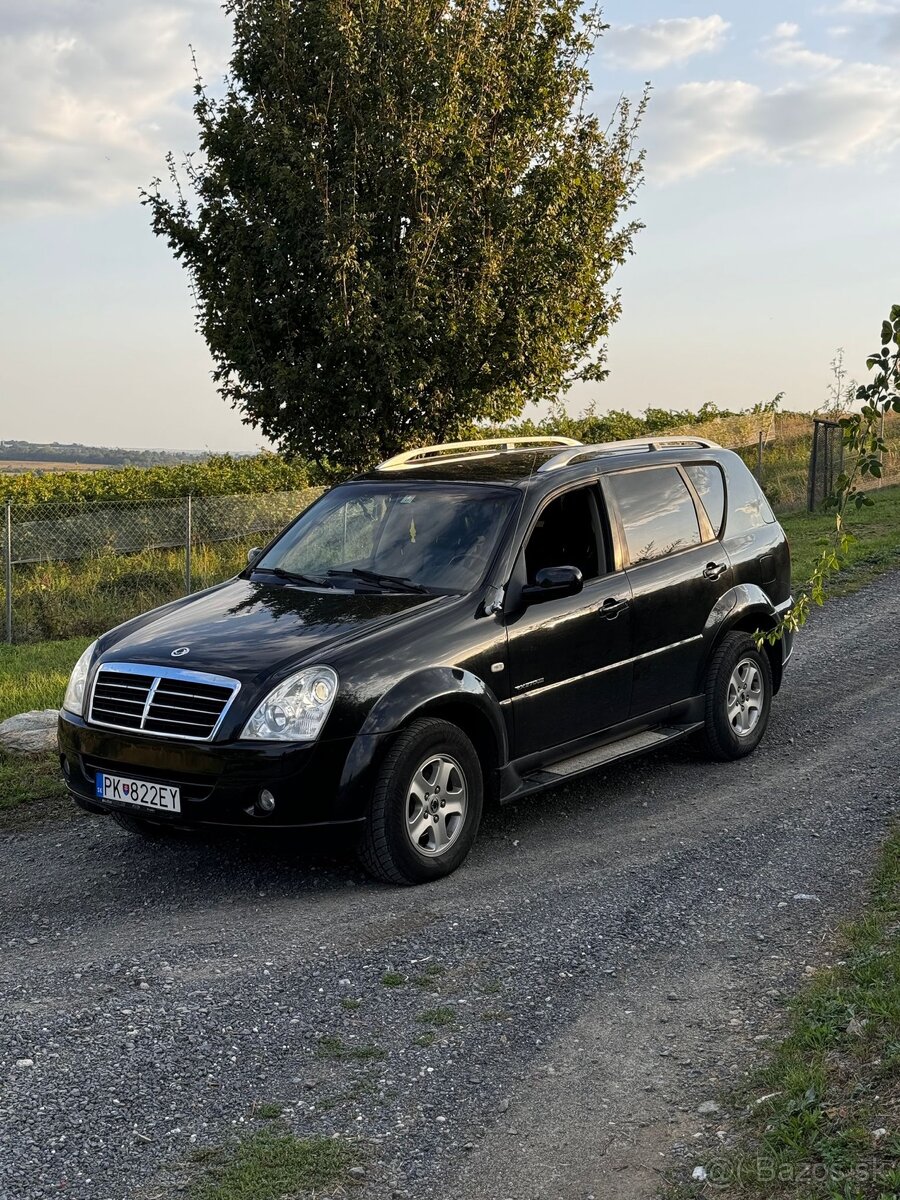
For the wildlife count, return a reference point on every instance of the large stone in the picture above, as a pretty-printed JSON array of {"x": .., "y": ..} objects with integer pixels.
[{"x": 29, "y": 732}]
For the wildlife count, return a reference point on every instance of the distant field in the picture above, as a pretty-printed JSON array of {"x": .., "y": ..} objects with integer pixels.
[{"x": 18, "y": 466}]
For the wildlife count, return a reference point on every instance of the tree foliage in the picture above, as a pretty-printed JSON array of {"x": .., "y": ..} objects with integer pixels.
[
  {"x": 404, "y": 217},
  {"x": 865, "y": 445}
]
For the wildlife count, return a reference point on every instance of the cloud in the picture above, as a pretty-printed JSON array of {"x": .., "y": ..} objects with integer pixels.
[
  {"x": 864, "y": 7},
  {"x": 92, "y": 95},
  {"x": 659, "y": 43},
  {"x": 831, "y": 120},
  {"x": 785, "y": 49}
]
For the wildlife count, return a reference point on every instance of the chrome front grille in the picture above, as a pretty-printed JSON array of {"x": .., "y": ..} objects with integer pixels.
[{"x": 163, "y": 701}]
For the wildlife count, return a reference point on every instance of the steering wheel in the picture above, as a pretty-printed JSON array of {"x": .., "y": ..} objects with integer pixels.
[{"x": 472, "y": 558}]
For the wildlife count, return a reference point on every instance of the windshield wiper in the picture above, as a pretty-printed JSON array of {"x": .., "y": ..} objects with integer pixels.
[
  {"x": 400, "y": 582},
  {"x": 294, "y": 576}
]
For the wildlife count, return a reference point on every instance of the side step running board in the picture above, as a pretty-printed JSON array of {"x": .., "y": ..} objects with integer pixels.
[{"x": 637, "y": 743}]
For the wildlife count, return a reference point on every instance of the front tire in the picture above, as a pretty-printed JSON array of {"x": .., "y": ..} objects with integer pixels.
[
  {"x": 426, "y": 806},
  {"x": 738, "y": 698}
]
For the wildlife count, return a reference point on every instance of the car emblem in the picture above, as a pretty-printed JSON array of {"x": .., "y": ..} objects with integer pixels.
[{"x": 180, "y": 651}]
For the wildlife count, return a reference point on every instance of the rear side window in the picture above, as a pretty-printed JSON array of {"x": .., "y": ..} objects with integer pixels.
[
  {"x": 657, "y": 512},
  {"x": 748, "y": 508},
  {"x": 707, "y": 478}
]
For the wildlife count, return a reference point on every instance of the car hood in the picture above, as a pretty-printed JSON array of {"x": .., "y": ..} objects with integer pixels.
[{"x": 250, "y": 630}]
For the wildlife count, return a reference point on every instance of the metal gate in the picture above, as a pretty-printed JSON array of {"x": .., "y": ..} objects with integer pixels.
[{"x": 826, "y": 461}]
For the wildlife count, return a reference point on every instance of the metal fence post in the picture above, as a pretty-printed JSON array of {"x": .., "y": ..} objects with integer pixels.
[
  {"x": 813, "y": 465},
  {"x": 7, "y": 569},
  {"x": 188, "y": 537},
  {"x": 759, "y": 457}
]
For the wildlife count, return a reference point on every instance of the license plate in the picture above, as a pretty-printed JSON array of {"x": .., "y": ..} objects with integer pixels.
[{"x": 158, "y": 796}]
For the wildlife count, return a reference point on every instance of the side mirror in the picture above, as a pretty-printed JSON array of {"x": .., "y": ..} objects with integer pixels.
[
  {"x": 253, "y": 554},
  {"x": 552, "y": 583}
]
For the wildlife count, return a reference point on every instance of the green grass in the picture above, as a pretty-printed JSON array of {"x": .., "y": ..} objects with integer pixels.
[
  {"x": 267, "y": 1110},
  {"x": 33, "y": 676},
  {"x": 84, "y": 597},
  {"x": 393, "y": 979},
  {"x": 834, "y": 1080},
  {"x": 876, "y": 549},
  {"x": 437, "y": 1016},
  {"x": 272, "y": 1165},
  {"x": 430, "y": 979},
  {"x": 22, "y": 779},
  {"x": 335, "y": 1048}
]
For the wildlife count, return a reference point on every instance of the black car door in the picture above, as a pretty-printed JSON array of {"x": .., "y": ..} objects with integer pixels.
[
  {"x": 677, "y": 570},
  {"x": 569, "y": 658}
]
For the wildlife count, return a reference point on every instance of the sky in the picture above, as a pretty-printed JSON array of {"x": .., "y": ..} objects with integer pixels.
[{"x": 770, "y": 210}]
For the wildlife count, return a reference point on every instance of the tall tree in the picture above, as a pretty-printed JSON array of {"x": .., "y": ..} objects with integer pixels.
[{"x": 404, "y": 216}]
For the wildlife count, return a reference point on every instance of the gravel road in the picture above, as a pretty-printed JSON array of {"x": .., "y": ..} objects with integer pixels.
[{"x": 611, "y": 956}]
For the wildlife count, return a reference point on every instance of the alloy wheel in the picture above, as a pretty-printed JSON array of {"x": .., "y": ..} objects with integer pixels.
[
  {"x": 436, "y": 805},
  {"x": 744, "y": 699}
]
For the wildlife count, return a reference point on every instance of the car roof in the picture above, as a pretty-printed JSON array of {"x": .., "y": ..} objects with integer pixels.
[{"x": 518, "y": 467}]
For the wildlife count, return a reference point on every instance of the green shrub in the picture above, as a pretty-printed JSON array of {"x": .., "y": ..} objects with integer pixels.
[{"x": 221, "y": 475}]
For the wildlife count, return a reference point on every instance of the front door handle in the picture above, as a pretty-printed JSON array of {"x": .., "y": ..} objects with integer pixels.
[
  {"x": 610, "y": 609},
  {"x": 714, "y": 570}
]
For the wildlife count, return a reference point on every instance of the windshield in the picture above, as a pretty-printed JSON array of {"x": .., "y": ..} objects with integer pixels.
[{"x": 393, "y": 537}]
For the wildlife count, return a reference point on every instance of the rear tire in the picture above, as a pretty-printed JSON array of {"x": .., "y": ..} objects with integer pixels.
[
  {"x": 738, "y": 698},
  {"x": 426, "y": 806}
]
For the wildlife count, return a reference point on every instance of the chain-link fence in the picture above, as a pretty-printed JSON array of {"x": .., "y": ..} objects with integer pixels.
[{"x": 73, "y": 569}]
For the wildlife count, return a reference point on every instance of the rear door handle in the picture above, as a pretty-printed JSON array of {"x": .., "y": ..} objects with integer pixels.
[
  {"x": 610, "y": 609},
  {"x": 714, "y": 570}
]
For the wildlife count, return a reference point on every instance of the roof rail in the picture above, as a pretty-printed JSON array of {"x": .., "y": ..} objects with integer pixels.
[
  {"x": 567, "y": 457},
  {"x": 472, "y": 449}
]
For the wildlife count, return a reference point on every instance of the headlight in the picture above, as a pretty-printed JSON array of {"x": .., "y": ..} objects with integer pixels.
[
  {"x": 297, "y": 709},
  {"x": 74, "y": 699}
]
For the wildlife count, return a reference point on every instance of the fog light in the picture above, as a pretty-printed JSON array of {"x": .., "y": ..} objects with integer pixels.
[{"x": 266, "y": 801}]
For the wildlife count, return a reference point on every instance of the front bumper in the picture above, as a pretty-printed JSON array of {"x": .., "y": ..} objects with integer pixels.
[{"x": 220, "y": 783}]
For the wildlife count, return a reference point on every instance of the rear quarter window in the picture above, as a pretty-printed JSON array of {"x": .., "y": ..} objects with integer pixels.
[
  {"x": 748, "y": 509},
  {"x": 709, "y": 483}
]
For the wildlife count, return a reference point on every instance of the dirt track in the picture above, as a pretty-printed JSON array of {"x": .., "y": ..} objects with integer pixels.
[{"x": 611, "y": 955}]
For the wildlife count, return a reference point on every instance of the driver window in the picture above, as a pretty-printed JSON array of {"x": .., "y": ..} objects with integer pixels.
[{"x": 566, "y": 535}]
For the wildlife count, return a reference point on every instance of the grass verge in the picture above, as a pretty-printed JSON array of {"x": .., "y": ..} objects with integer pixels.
[
  {"x": 875, "y": 550},
  {"x": 33, "y": 676},
  {"x": 822, "y": 1117},
  {"x": 271, "y": 1165}
]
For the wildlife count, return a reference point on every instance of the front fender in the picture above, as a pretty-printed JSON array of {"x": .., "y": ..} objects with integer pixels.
[{"x": 432, "y": 690}]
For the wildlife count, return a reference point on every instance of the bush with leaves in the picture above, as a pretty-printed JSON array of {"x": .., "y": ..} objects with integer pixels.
[
  {"x": 865, "y": 449},
  {"x": 220, "y": 475}
]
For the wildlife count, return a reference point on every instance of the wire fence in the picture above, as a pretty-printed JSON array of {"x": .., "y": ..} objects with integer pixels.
[{"x": 116, "y": 555}]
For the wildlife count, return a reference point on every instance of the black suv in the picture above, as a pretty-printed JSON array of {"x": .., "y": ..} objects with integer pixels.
[{"x": 468, "y": 621}]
